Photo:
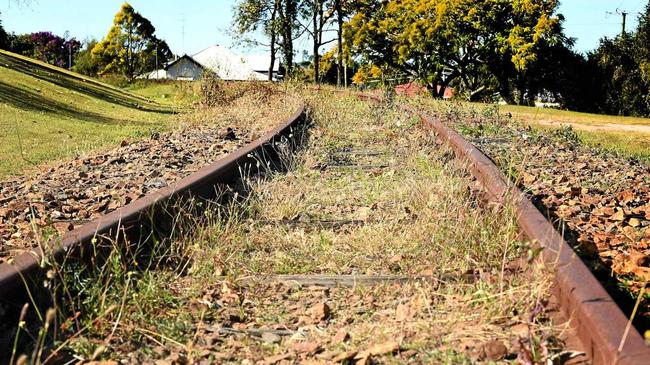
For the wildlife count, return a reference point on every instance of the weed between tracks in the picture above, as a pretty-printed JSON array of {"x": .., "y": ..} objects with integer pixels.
[{"x": 371, "y": 194}]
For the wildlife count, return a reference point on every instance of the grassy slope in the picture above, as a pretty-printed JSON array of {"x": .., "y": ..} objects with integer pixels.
[
  {"x": 532, "y": 113},
  {"x": 50, "y": 113},
  {"x": 167, "y": 92},
  {"x": 624, "y": 142}
]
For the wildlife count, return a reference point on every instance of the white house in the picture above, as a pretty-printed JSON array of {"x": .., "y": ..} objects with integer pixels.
[
  {"x": 223, "y": 62},
  {"x": 261, "y": 63},
  {"x": 154, "y": 75},
  {"x": 184, "y": 68},
  {"x": 227, "y": 65}
]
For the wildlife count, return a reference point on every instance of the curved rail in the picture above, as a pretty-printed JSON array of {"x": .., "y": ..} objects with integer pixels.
[
  {"x": 139, "y": 214},
  {"x": 599, "y": 322}
]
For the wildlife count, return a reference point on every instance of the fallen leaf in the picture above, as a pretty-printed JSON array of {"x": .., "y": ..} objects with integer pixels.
[
  {"x": 403, "y": 312},
  {"x": 493, "y": 351},
  {"x": 344, "y": 356},
  {"x": 618, "y": 216},
  {"x": 379, "y": 349},
  {"x": 309, "y": 347},
  {"x": 320, "y": 311},
  {"x": 276, "y": 359},
  {"x": 341, "y": 336}
]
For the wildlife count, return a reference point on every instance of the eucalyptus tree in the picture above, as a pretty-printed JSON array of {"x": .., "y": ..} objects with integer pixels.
[{"x": 130, "y": 45}]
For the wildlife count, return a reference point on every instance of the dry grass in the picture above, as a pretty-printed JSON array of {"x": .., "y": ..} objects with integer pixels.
[
  {"x": 254, "y": 106},
  {"x": 400, "y": 205},
  {"x": 623, "y": 136}
]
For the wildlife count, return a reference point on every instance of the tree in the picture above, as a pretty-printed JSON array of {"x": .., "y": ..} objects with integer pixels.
[
  {"x": 642, "y": 41},
  {"x": 278, "y": 22},
  {"x": 342, "y": 9},
  {"x": 46, "y": 47},
  {"x": 254, "y": 15},
  {"x": 289, "y": 26},
  {"x": 4, "y": 37},
  {"x": 86, "y": 63},
  {"x": 319, "y": 13},
  {"x": 621, "y": 78},
  {"x": 130, "y": 47},
  {"x": 441, "y": 42}
]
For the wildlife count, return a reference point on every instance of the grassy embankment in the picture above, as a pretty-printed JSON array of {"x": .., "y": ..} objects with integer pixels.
[
  {"x": 370, "y": 195},
  {"x": 628, "y": 136},
  {"x": 49, "y": 113},
  {"x": 625, "y": 136}
]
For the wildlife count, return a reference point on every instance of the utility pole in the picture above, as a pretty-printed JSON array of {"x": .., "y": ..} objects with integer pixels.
[
  {"x": 67, "y": 38},
  {"x": 156, "y": 59},
  {"x": 623, "y": 14},
  {"x": 183, "y": 31}
]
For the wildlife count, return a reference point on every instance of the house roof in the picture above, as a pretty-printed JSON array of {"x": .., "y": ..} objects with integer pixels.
[
  {"x": 184, "y": 57},
  {"x": 154, "y": 75},
  {"x": 410, "y": 89},
  {"x": 261, "y": 63},
  {"x": 226, "y": 64}
]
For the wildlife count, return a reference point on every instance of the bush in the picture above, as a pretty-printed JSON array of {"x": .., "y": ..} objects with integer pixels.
[
  {"x": 116, "y": 80},
  {"x": 216, "y": 92}
]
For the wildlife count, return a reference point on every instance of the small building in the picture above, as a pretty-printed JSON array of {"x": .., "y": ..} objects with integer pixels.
[
  {"x": 154, "y": 75},
  {"x": 449, "y": 92},
  {"x": 223, "y": 62},
  {"x": 227, "y": 65},
  {"x": 184, "y": 68},
  {"x": 411, "y": 89},
  {"x": 415, "y": 88},
  {"x": 261, "y": 63}
]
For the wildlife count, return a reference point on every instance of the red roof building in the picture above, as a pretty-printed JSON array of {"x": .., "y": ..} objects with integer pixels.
[{"x": 414, "y": 88}]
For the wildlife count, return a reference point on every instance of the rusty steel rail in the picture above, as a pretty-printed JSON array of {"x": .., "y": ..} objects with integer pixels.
[
  {"x": 599, "y": 322},
  {"x": 26, "y": 268}
]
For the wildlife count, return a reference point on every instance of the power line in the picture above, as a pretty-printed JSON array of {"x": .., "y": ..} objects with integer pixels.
[{"x": 623, "y": 14}]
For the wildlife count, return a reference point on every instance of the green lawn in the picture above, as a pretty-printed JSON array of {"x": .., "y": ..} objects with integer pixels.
[
  {"x": 170, "y": 93},
  {"x": 527, "y": 113},
  {"x": 48, "y": 113}
]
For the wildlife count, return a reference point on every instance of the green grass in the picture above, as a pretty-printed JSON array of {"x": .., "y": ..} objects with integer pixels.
[
  {"x": 623, "y": 144},
  {"x": 172, "y": 93},
  {"x": 527, "y": 113},
  {"x": 48, "y": 113},
  {"x": 626, "y": 144},
  {"x": 595, "y": 130}
]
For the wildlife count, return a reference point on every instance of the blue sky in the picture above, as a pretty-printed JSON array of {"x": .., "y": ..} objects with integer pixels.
[{"x": 207, "y": 22}]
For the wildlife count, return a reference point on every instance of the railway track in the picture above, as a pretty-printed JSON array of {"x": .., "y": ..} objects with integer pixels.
[
  {"x": 605, "y": 332},
  {"x": 21, "y": 277},
  {"x": 603, "y": 329},
  {"x": 600, "y": 324}
]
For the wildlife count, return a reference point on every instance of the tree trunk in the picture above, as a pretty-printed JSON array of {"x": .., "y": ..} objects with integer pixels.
[
  {"x": 129, "y": 55},
  {"x": 339, "y": 34},
  {"x": 521, "y": 89},
  {"x": 273, "y": 38},
  {"x": 289, "y": 17},
  {"x": 316, "y": 34}
]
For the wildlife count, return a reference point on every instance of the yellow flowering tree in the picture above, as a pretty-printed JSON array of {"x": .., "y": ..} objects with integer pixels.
[
  {"x": 443, "y": 42},
  {"x": 130, "y": 47}
]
